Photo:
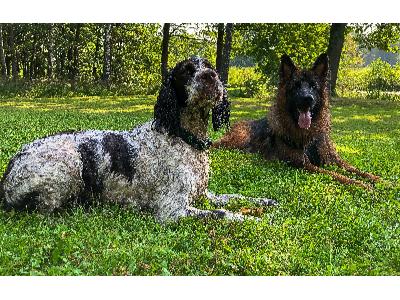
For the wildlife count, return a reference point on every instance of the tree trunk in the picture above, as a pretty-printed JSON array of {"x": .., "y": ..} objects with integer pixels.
[
  {"x": 50, "y": 54},
  {"x": 25, "y": 65},
  {"x": 107, "y": 54},
  {"x": 226, "y": 54},
  {"x": 14, "y": 63},
  {"x": 61, "y": 55},
  {"x": 75, "y": 65},
  {"x": 3, "y": 65},
  {"x": 96, "y": 54},
  {"x": 336, "y": 40},
  {"x": 220, "y": 46},
  {"x": 164, "y": 53},
  {"x": 32, "y": 63}
]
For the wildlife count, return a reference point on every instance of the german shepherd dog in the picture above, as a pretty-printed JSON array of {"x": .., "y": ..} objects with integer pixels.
[{"x": 297, "y": 128}]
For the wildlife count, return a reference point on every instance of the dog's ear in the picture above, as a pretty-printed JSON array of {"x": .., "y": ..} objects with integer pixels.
[
  {"x": 221, "y": 112},
  {"x": 287, "y": 68},
  {"x": 167, "y": 110},
  {"x": 321, "y": 66}
]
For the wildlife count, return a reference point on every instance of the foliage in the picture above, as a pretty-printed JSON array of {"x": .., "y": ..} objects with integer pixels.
[
  {"x": 192, "y": 39},
  {"x": 320, "y": 227},
  {"x": 267, "y": 42},
  {"x": 384, "y": 36},
  {"x": 379, "y": 80},
  {"x": 135, "y": 56},
  {"x": 247, "y": 82},
  {"x": 383, "y": 77},
  {"x": 352, "y": 80},
  {"x": 352, "y": 56}
]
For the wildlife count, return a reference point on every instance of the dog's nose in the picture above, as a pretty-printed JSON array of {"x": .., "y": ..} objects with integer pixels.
[
  {"x": 307, "y": 100},
  {"x": 208, "y": 75}
]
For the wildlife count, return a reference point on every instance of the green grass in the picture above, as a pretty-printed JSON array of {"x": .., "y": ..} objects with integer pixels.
[{"x": 320, "y": 227}]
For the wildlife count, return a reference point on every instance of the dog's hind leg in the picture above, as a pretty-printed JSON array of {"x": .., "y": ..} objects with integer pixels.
[
  {"x": 43, "y": 178},
  {"x": 343, "y": 164},
  {"x": 237, "y": 138},
  {"x": 341, "y": 178},
  {"x": 224, "y": 199},
  {"x": 323, "y": 152}
]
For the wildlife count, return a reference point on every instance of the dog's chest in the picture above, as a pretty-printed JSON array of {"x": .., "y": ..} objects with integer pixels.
[
  {"x": 178, "y": 166},
  {"x": 164, "y": 166}
]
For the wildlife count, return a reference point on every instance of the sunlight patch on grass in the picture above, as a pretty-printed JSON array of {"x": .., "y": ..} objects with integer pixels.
[
  {"x": 347, "y": 149},
  {"x": 84, "y": 104},
  {"x": 371, "y": 118},
  {"x": 133, "y": 108}
]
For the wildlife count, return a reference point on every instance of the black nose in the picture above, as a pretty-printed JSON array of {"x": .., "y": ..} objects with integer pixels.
[
  {"x": 306, "y": 100},
  {"x": 208, "y": 75}
]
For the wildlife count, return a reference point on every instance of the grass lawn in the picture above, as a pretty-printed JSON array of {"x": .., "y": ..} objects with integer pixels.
[{"x": 320, "y": 227}]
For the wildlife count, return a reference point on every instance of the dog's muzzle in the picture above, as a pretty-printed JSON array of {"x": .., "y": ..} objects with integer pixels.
[{"x": 207, "y": 87}]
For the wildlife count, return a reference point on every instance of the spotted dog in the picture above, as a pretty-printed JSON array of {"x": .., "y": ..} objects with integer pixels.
[{"x": 161, "y": 166}]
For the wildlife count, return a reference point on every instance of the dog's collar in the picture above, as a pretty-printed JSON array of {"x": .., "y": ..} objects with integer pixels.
[{"x": 193, "y": 140}]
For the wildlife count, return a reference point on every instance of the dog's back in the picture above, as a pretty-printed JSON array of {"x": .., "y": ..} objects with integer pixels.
[
  {"x": 250, "y": 136},
  {"x": 124, "y": 167}
]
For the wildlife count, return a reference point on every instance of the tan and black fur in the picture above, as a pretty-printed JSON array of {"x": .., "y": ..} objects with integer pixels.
[{"x": 297, "y": 127}]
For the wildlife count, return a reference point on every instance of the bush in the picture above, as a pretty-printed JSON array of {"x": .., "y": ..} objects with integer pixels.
[
  {"x": 352, "y": 79},
  {"x": 378, "y": 80},
  {"x": 383, "y": 77},
  {"x": 247, "y": 82}
]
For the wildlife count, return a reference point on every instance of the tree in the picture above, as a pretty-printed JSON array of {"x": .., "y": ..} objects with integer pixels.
[
  {"x": 96, "y": 52},
  {"x": 13, "y": 53},
  {"x": 383, "y": 36},
  {"x": 107, "y": 53},
  {"x": 335, "y": 46},
  {"x": 266, "y": 42},
  {"x": 226, "y": 53},
  {"x": 75, "y": 63},
  {"x": 50, "y": 54},
  {"x": 220, "y": 46},
  {"x": 3, "y": 65},
  {"x": 62, "y": 42},
  {"x": 164, "y": 51},
  {"x": 32, "y": 59},
  {"x": 192, "y": 39}
]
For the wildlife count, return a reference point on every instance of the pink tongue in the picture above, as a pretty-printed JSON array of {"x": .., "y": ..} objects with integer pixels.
[{"x": 305, "y": 120}]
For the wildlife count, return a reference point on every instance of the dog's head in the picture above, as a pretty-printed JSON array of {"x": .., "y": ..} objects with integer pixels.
[
  {"x": 304, "y": 89},
  {"x": 195, "y": 83}
]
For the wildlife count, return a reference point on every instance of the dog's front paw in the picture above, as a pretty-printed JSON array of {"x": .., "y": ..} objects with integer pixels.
[
  {"x": 267, "y": 202},
  {"x": 239, "y": 217}
]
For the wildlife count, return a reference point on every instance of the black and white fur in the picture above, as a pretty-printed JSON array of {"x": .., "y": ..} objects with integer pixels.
[{"x": 161, "y": 166}]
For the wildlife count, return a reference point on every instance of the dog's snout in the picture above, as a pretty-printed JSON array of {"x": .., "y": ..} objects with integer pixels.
[
  {"x": 308, "y": 99},
  {"x": 305, "y": 101},
  {"x": 208, "y": 75}
]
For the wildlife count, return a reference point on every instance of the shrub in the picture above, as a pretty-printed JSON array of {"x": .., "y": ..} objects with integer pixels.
[
  {"x": 377, "y": 81},
  {"x": 248, "y": 82}
]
